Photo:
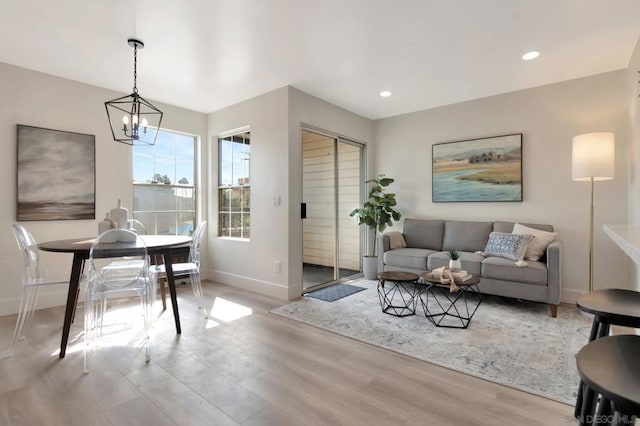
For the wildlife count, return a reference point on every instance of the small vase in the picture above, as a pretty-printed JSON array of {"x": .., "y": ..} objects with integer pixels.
[
  {"x": 106, "y": 224},
  {"x": 120, "y": 216},
  {"x": 455, "y": 265}
]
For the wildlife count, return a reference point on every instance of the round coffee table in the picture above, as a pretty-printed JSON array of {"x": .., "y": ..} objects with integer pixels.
[
  {"x": 399, "y": 298},
  {"x": 451, "y": 309}
]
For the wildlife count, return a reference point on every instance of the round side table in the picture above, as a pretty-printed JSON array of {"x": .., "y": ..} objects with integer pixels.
[
  {"x": 609, "y": 307},
  {"x": 399, "y": 297},
  {"x": 610, "y": 367},
  {"x": 451, "y": 310}
]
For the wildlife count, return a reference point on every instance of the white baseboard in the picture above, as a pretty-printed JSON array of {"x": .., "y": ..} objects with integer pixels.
[
  {"x": 570, "y": 296},
  {"x": 277, "y": 291},
  {"x": 49, "y": 298},
  {"x": 46, "y": 299},
  {"x": 58, "y": 297}
]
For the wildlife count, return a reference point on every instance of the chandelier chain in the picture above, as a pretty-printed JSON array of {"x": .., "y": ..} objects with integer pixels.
[
  {"x": 135, "y": 68},
  {"x": 132, "y": 118}
]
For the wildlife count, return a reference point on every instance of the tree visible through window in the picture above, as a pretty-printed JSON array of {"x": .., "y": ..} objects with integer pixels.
[
  {"x": 164, "y": 184},
  {"x": 234, "y": 188}
]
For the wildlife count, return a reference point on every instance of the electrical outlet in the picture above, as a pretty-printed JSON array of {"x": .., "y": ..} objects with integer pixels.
[{"x": 276, "y": 266}]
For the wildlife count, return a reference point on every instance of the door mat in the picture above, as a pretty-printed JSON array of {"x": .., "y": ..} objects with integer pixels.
[{"x": 334, "y": 292}]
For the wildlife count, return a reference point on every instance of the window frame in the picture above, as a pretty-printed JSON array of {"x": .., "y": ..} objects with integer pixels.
[
  {"x": 193, "y": 186},
  {"x": 244, "y": 211}
]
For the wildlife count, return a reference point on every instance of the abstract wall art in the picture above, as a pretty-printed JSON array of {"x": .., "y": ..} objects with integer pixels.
[{"x": 56, "y": 175}]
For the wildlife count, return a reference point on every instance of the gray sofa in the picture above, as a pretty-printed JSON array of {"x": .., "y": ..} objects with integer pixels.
[{"x": 428, "y": 240}]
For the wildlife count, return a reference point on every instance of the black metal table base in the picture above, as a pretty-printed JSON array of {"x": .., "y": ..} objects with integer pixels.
[
  {"x": 587, "y": 402},
  {"x": 609, "y": 307},
  {"x": 456, "y": 309},
  {"x": 607, "y": 367},
  {"x": 398, "y": 298}
]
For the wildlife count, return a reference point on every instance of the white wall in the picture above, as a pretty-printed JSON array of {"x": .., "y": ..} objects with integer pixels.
[
  {"x": 249, "y": 263},
  {"x": 634, "y": 152},
  {"x": 548, "y": 116},
  {"x": 309, "y": 110},
  {"x": 42, "y": 100},
  {"x": 275, "y": 120}
]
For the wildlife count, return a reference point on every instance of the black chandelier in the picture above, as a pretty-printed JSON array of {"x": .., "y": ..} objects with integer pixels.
[{"x": 133, "y": 120}]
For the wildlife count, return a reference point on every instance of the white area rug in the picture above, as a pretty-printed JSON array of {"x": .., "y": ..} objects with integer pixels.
[{"x": 509, "y": 342}]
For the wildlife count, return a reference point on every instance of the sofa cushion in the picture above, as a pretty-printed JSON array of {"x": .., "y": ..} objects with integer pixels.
[
  {"x": 426, "y": 234},
  {"x": 413, "y": 258},
  {"x": 505, "y": 269},
  {"x": 466, "y": 236},
  {"x": 471, "y": 262},
  {"x": 509, "y": 246}
]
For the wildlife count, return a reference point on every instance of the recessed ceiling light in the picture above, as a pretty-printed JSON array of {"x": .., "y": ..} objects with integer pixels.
[
  {"x": 385, "y": 93},
  {"x": 530, "y": 55}
]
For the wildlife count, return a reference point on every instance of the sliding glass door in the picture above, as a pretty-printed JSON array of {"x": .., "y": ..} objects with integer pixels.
[{"x": 331, "y": 176}]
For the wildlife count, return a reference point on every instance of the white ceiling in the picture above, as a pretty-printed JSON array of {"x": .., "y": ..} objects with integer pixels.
[{"x": 208, "y": 54}]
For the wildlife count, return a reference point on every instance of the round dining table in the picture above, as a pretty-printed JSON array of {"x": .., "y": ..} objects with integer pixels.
[{"x": 161, "y": 245}]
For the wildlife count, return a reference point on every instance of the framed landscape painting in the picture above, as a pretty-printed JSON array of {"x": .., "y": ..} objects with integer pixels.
[
  {"x": 56, "y": 175},
  {"x": 484, "y": 169}
]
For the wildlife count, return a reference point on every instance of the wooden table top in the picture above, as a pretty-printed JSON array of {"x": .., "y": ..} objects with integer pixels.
[
  {"x": 83, "y": 245},
  {"x": 610, "y": 367},
  {"x": 398, "y": 276},
  {"x": 614, "y": 305}
]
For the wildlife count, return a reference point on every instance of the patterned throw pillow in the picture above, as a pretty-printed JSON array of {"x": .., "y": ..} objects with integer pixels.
[{"x": 509, "y": 246}]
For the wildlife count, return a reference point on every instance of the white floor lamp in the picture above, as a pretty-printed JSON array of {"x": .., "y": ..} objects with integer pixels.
[{"x": 593, "y": 159}]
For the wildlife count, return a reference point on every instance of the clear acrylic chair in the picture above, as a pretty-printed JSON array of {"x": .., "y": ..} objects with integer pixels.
[
  {"x": 137, "y": 226},
  {"x": 33, "y": 277},
  {"x": 190, "y": 269},
  {"x": 116, "y": 270}
]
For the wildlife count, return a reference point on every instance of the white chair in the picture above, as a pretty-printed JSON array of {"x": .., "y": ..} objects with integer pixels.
[
  {"x": 116, "y": 270},
  {"x": 191, "y": 268},
  {"x": 137, "y": 226},
  {"x": 33, "y": 277}
]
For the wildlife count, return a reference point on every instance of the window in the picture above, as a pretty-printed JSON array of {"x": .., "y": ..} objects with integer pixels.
[
  {"x": 234, "y": 188},
  {"x": 164, "y": 184}
]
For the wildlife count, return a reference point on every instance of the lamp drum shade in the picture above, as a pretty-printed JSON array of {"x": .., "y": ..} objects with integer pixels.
[{"x": 593, "y": 156}]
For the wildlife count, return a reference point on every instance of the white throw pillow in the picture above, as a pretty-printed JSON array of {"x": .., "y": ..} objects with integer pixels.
[{"x": 539, "y": 243}]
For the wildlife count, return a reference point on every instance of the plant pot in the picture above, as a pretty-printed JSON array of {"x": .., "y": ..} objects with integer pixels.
[
  {"x": 370, "y": 267},
  {"x": 455, "y": 265}
]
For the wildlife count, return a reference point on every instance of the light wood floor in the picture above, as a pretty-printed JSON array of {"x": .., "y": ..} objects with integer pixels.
[{"x": 259, "y": 369}]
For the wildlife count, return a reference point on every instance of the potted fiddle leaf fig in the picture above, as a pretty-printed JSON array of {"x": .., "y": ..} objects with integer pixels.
[{"x": 377, "y": 213}]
